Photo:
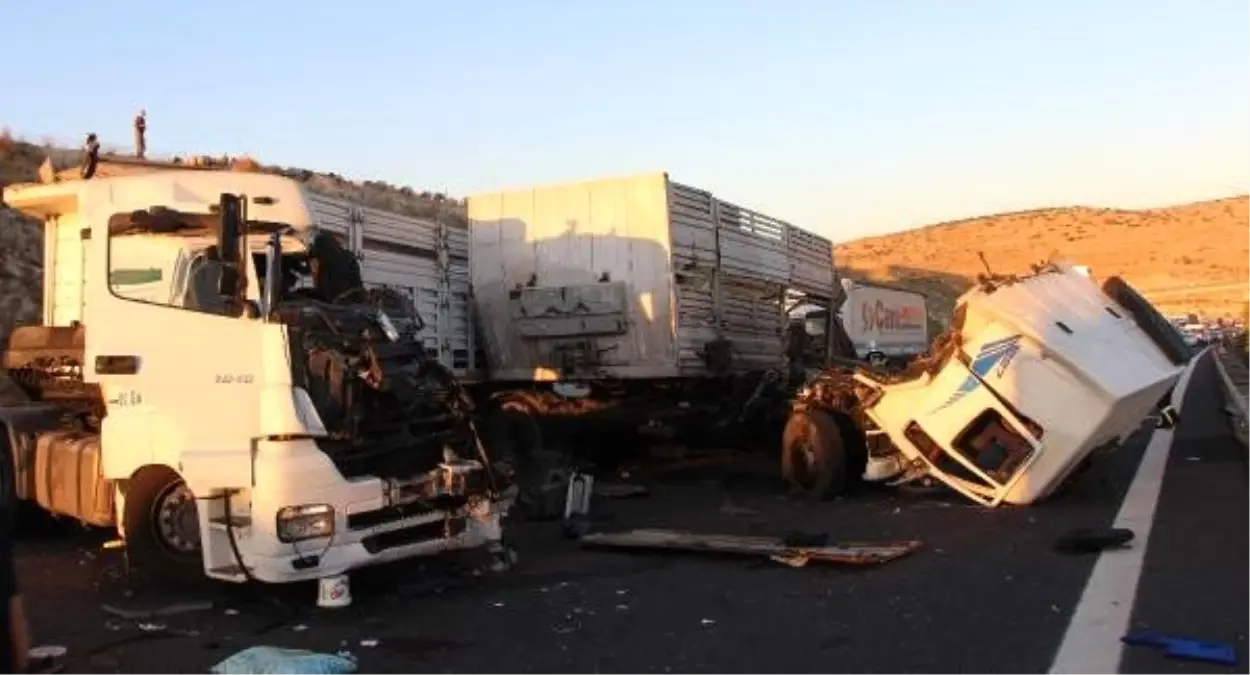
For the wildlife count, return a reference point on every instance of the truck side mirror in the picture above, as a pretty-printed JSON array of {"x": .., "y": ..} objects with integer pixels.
[
  {"x": 228, "y": 234},
  {"x": 228, "y": 285}
]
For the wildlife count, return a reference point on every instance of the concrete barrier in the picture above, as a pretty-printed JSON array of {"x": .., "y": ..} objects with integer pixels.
[{"x": 1235, "y": 396}]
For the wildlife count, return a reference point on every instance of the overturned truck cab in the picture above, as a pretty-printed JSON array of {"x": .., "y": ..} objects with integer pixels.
[
  {"x": 1036, "y": 374},
  {"x": 214, "y": 380}
]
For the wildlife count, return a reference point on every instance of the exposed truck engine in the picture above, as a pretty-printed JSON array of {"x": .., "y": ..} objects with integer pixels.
[
  {"x": 215, "y": 379},
  {"x": 1037, "y": 374}
]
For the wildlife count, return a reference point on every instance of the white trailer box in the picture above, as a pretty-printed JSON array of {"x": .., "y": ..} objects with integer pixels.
[
  {"x": 636, "y": 277},
  {"x": 883, "y": 321}
]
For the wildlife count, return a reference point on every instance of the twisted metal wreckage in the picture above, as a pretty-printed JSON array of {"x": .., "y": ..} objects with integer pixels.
[{"x": 1036, "y": 374}]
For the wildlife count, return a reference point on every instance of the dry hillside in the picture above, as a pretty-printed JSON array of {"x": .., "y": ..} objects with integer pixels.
[
  {"x": 1185, "y": 258},
  {"x": 21, "y": 240}
]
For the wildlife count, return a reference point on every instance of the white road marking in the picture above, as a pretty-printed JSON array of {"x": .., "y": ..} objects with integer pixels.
[{"x": 1092, "y": 641}]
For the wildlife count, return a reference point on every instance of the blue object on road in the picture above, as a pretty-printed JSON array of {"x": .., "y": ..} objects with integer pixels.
[
  {"x": 1184, "y": 648},
  {"x": 266, "y": 660}
]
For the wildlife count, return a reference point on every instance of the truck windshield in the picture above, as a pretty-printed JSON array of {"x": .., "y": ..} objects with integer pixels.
[{"x": 170, "y": 258}]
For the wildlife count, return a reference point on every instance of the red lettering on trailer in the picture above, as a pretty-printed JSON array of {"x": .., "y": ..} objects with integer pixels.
[{"x": 878, "y": 317}]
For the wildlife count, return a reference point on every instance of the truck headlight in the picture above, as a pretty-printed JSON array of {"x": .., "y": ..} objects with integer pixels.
[{"x": 307, "y": 521}]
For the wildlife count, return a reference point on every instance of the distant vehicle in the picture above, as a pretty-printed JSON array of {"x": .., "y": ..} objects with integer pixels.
[
  {"x": 885, "y": 324},
  {"x": 1195, "y": 334}
]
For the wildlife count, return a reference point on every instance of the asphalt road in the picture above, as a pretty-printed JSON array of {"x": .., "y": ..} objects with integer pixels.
[{"x": 987, "y": 593}]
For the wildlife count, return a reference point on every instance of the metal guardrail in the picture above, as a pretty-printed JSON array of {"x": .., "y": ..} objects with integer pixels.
[{"x": 1235, "y": 374}]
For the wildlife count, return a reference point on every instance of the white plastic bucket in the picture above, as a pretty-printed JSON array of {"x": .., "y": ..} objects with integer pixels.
[{"x": 334, "y": 591}]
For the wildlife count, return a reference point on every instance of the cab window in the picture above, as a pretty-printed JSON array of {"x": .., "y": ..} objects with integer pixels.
[{"x": 167, "y": 258}]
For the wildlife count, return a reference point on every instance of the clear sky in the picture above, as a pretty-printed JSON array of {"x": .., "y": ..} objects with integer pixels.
[{"x": 850, "y": 117}]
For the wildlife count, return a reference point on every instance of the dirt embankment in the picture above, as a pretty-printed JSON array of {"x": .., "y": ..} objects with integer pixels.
[{"x": 1191, "y": 257}]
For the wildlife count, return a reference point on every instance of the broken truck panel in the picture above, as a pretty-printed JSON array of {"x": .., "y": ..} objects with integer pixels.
[
  {"x": 1036, "y": 374},
  {"x": 853, "y": 553}
]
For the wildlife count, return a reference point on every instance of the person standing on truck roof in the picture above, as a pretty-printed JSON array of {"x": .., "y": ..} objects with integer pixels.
[
  {"x": 141, "y": 128},
  {"x": 92, "y": 148}
]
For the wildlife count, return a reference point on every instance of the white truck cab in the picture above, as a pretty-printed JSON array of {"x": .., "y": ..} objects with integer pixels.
[
  {"x": 1037, "y": 373},
  {"x": 221, "y": 420}
]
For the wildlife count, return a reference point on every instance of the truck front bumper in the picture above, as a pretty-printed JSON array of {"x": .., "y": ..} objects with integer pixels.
[{"x": 370, "y": 526}]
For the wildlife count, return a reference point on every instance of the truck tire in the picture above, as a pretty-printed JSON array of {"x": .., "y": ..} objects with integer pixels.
[
  {"x": 1156, "y": 327},
  {"x": 162, "y": 530},
  {"x": 813, "y": 455},
  {"x": 855, "y": 447}
]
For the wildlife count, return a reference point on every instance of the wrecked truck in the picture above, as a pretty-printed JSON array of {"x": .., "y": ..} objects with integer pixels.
[
  {"x": 1036, "y": 374},
  {"x": 222, "y": 380},
  {"x": 637, "y": 305}
]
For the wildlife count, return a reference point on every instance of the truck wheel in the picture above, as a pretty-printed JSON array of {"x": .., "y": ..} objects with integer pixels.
[
  {"x": 854, "y": 447},
  {"x": 162, "y": 524},
  {"x": 1156, "y": 327},
  {"x": 813, "y": 457}
]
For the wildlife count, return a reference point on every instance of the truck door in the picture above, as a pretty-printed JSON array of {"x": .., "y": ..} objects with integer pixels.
[{"x": 182, "y": 380}]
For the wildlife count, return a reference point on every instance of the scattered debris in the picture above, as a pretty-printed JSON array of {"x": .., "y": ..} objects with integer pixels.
[
  {"x": 167, "y": 610},
  {"x": 1093, "y": 540},
  {"x": 796, "y": 555},
  {"x": 264, "y": 660},
  {"x": 46, "y": 652},
  {"x": 502, "y": 557},
  {"x": 334, "y": 592},
  {"x": 1184, "y": 648}
]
